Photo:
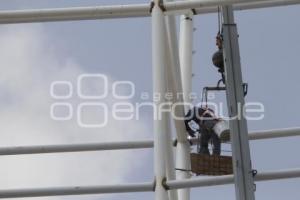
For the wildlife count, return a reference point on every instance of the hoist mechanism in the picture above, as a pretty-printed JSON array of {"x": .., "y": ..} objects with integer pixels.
[
  {"x": 208, "y": 127},
  {"x": 218, "y": 60}
]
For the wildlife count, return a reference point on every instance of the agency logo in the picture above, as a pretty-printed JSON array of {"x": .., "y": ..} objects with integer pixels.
[
  {"x": 62, "y": 92},
  {"x": 101, "y": 100}
]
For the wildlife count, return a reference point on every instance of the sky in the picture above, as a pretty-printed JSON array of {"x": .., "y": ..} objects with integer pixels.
[{"x": 32, "y": 56}]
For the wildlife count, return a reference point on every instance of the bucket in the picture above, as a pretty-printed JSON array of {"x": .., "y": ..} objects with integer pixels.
[{"x": 221, "y": 128}]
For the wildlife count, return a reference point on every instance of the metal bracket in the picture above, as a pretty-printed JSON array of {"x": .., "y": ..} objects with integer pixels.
[
  {"x": 218, "y": 88},
  {"x": 175, "y": 143},
  {"x": 245, "y": 89},
  {"x": 160, "y": 5},
  {"x": 184, "y": 170},
  {"x": 225, "y": 24},
  {"x": 164, "y": 184},
  {"x": 194, "y": 11},
  {"x": 154, "y": 184},
  {"x": 254, "y": 173},
  {"x": 151, "y": 6},
  {"x": 188, "y": 18}
]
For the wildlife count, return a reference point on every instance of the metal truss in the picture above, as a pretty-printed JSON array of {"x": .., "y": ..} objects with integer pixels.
[{"x": 172, "y": 67}]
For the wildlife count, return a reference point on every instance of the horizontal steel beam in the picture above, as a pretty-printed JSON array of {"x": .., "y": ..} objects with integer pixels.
[
  {"x": 126, "y": 11},
  {"x": 61, "y": 191},
  {"x": 250, "y": 6},
  {"x": 143, "y": 187},
  {"x": 74, "y": 13},
  {"x": 229, "y": 179},
  {"x": 257, "y": 135},
  {"x": 204, "y": 6},
  {"x": 275, "y": 133},
  {"x": 76, "y": 147},
  {"x": 267, "y": 134}
]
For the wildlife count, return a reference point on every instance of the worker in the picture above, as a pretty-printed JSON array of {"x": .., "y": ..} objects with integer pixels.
[
  {"x": 217, "y": 57},
  {"x": 202, "y": 120}
]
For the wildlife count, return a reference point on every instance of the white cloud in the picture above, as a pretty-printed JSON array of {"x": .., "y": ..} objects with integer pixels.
[{"x": 29, "y": 63}]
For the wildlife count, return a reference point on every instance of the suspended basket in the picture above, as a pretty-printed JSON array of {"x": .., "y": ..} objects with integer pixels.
[{"x": 211, "y": 165}]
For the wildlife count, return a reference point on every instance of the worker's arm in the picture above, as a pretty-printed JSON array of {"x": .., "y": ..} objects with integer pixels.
[{"x": 189, "y": 119}]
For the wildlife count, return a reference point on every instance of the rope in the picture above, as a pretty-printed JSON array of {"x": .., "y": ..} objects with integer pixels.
[
  {"x": 184, "y": 170},
  {"x": 220, "y": 17},
  {"x": 204, "y": 98},
  {"x": 219, "y": 20}
]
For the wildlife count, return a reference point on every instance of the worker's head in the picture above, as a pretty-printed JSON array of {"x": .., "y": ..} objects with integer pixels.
[{"x": 205, "y": 113}]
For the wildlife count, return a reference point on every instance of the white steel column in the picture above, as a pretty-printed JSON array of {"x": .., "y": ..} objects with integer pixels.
[
  {"x": 229, "y": 179},
  {"x": 244, "y": 185},
  {"x": 175, "y": 83},
  {"x": 159, "y": 87},
  {"x": 183, "y": 162},
  {"x": 170, "y": 164},
  {"x": 185, "y": 54}
]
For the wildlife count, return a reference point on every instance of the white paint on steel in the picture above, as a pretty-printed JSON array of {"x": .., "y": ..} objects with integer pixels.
[
  {"x": 175, "y": 80},
  {"x": 169, "y": 160},
  {"x": 126, "y": 11},
  {"x": 185, "y": 54},
  {"x": 78, "y": 190},
  {"x": 159, "y": 87},
  {"x": 275, "y": 133},
  {"x": 197, "y": 4},
  {"x": 175, "y": 84},
  {"x": 144, "y": 187},
  {"x": 244, "y": 186},
  {"x": 65, "y": 148},
  {"x": 183, "y": 162},
  {"x": 229, "y": 179},
  {"x": 250, "y": 5},
  {"x": 74, "y": 13},
  {"x": 173, "y": 87}
]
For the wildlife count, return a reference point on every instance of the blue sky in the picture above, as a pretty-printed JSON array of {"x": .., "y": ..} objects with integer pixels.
[{"x": 34, "y": 55}]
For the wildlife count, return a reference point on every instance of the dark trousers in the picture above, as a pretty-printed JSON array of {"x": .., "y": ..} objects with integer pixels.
[{"x": 205, "y": 137}]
